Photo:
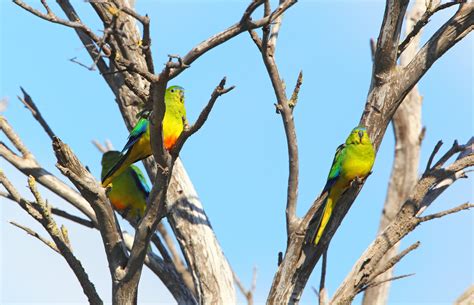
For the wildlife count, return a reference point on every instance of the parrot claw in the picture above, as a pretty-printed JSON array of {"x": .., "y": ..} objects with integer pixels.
[
  {"x": 357, "y": 181},
  {"x": 108, "y": 188}
]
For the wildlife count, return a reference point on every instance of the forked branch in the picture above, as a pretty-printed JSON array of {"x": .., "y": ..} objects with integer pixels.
[
  {"x": 406, "y": 220},
  {"x": 40, "y": 211}
]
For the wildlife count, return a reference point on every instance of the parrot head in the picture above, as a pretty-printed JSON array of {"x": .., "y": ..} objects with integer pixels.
[
  {"x": 175, "y": 94},
  {"x": 358, "y": 135},
  {"x": 174, "y": 100},
  {"x": 108, "y": 160}
]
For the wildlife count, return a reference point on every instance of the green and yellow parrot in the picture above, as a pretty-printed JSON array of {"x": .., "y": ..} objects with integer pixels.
[
  {"x": 129, "y": 190},
  {"x": 353, "y": 159},
  {"x": 138, "y": 146}
]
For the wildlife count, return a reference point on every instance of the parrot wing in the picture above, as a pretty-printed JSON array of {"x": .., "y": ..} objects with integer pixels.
[
  {"x": 139, "y": 130},
  {"x": 335, "y": 167},
  {"x": 140, "y": 180}
]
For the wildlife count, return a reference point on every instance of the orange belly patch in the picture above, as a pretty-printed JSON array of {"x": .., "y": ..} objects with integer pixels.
[
  {"x": 169, "y": 142},
  {"x": 118, "y": 205}
]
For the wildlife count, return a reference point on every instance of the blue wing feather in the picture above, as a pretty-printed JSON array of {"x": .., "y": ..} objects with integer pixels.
[
  {"x": 335, "y": 168},
  {"x": 136, "y": 133},
  {"x": 140, "y": 180}
]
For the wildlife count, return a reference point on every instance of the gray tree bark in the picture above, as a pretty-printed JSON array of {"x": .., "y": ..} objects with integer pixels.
[{"x": 407, "y": 130}]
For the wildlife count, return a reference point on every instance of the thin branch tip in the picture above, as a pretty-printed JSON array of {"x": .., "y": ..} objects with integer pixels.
[{"x": 462, "y": 207}]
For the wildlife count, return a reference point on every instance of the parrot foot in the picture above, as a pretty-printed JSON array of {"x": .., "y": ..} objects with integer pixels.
[
  {"x": 357, "y": 181},
  {"x": 164, "y": 170},
  {"x": 108, "y": 188}
]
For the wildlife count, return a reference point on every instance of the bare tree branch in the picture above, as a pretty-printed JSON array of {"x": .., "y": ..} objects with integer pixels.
[
  {"x": 28, "y": 165},
  {"x": 74, "y": 218},
  {"x": 462, "y": 207},
  {"x": 176, "y": 259},
  {"x": 189, "y": 131},
  {"x": 146, "y": 39},
  {"x": 407, "y": 129},
  {"x": 133, "y": 80},
  {"x": 466, "y": 298},
  {"x": 40, "y": 211},
  {"x": 166, "y": 273},
  {"x": 433, "y": 154},
  {"x": 440, "y": 187},
  {"x": 404, "y": 222},
  {"x": 35, "y": 111},
  {"x": 28, "y": 102},
  {"x": 425, "y": 18},
  {"x": 78, "y": 25},
  {"x": 266, "y": 46},
  {"x": 29, "y": 231},
  {"x": 385, "y": 56},
  {"x": 456, "y": 28},
  {"x": 385, "y": 266},
  {"x": 179, "y": 267},
  {"x": 72, "y": 168},
  {"x": 99, "y": 146},
  {"x": 248, "y": 294},
  {"x": 243, "y": 25},
  {"x": 375, "y": 284},
  {"x": 122, "y": 55},
  {"x": 323, "y": 293},
  {"x": 15, "y": 196}
]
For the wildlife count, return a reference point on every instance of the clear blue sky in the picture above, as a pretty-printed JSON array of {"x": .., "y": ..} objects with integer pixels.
[{"x": 238, "y": 161}]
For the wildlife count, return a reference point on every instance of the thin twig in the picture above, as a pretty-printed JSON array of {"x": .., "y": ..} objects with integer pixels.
[
  {"x": 28, "y": 165},
  {"x": 267, "y": 50},
  {"x": 166, "y": 273},
  {"x": 130, "y": 66},
  {"x": 250, "y": 9},
  {"x": 373, "y": 47},
  {"x": 53, "y": 18},
  {"x": 248, "y": 294},
  {"x": 323, "y": 295},
  {"x": 433, "y": 154},
  {"x": 36, "y": 235},
  {"x": 99, "y": 146},
  {"x": 14, "y": 138},
  {"x": 109, "y": 145},
  {"x": 90, "y": 68},
  {"x": 156, "y": 240},
  {"x": 451, "y": 152},
  {"x": 256, "y": 39},
  {"x": 15, "y": 196},
  {"x": 387, "y": 280},
  {"x": 231, "y": 32},
  {"x": 294, "y": 97},
  {"x": 465, "y": 206},
  {"x": 403, "y": 223},
  {"x": 176, "y": 259},
  {"x": 73, "y": 218},
  {"x": 394, "y": 260},
  {"x": 146, "y": 38},
  {"x": 28, "y": 102},
  {"x": 316, "y": 291},
  {"x": 443, "y": 178},
  {"x": 70, "y": 166},
  {"x": 218, "y": 91},
  {"x": 423, "y": 21},
  {"x": 60, "y": 238}
]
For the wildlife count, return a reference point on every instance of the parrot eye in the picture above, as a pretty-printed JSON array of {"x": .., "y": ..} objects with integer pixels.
[{"x": 172, "y": 90}]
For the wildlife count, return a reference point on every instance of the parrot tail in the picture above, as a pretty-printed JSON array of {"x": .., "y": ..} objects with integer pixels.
[{"x": 324, "y": 219}]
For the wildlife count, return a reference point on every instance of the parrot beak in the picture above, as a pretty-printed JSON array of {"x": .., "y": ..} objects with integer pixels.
[{"x": 361, "y": 135}]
